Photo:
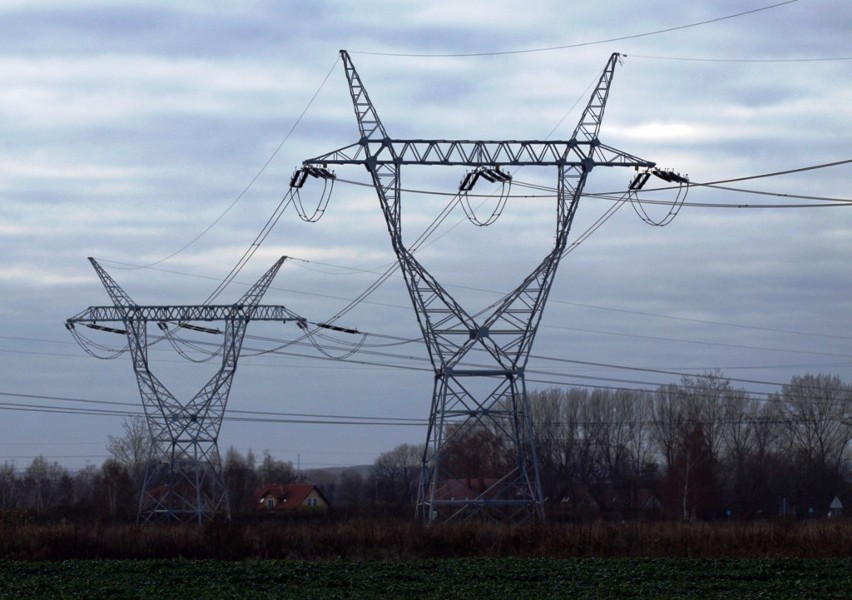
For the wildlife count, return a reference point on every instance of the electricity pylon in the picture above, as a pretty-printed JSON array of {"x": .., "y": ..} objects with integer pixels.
[
  {"x": 183, "y": 480},
  {"x": 477, "y": 410}
]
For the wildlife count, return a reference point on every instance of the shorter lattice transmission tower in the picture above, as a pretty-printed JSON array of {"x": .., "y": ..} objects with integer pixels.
[{"x": 183, "y": 479}]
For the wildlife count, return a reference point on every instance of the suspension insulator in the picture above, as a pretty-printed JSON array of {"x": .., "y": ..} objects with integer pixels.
[
  {"x": 639, "y": 181},
  {"x": 490, "y": 174},
  {"x": 301, "y": 175},
  {"x": 337, "y": 328},
  {"x": 670, "y": 176},
  {"x": 105, "y": 328},
  {"x": 192, "y": 327}
]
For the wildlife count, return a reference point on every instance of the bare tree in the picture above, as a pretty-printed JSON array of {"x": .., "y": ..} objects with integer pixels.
[
  {"x": 545, "y": 408},
  {"x": 735, "y": 464},
  {"x": 352, "y": 489},
  {"x": 44, "y": 484},
  {"x": 615, "y": 447},
  {"x": 275, "y": 471},
  {"x": 741, "y": 415},
  {"x": 767, "y": 472},
  {"x": 474, "y": 451},
  {"x": 241, "y": 478},
  {"x": 639, "y": 442},
  {"x": 119, "y": 499},
  {"x": 670, "y": 421},
  {"x": 556, "y": 415},
  {"x": 9, "y": 486},
  {"x": 707, "y": 400},
  {"x": 818, "y": 410},
  {"x": 689, "y": 481},
  {"x": 133, "y": 449},
  {"x": 84, "y": 492},
  {"x": 600, "y": 457},
  {"x": 396, "y": 473}
]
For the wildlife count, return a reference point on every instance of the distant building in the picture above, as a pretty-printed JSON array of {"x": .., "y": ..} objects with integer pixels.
[
  {"x": 609, "y": 501},
  {"x": 835, "y": 509},
  {"x": 290, "y": 497},
  {"x": 466, "y": 489}
]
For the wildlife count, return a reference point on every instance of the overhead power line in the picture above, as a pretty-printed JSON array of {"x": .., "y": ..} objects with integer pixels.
[
  {"x": 256, "y": 416},
  {"x": 745, "y": 60},
  {"x": 580, "y": 44},
  {"x": 618, "y": 195},
  {"x": 251, "y": 182}
]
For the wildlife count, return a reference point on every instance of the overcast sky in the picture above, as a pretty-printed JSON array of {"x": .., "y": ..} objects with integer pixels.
[{"x": 160, "y": 137}]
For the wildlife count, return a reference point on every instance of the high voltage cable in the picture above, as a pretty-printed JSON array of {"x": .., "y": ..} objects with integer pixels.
[
  {"x": 835, "y": 163},
  {"x": 536, "y": 371},
  {"x": 340, "y": 346},
  {"x": 584, "y": 363},
  {"x": 572, "y": 377},
  {"x": 744, "y": 60},
  {"x": 712, "y": 184},
  {"x": 114, "y": 413},
  {"x": 413, "y": 247},
  {"x": 238, "y": 414},
  {"x": 658, "y": 371},
  {"x": 252, "y": 249},
  {"x": 321, "y": 419},
  {"x": 580, "y": 44},
  {"x": 440, "y": 219},
  {"x": 279, "y": 210},
  {"x": 278, "y": 351},
  {"x": 606, "y": 308},
  {"x": 270, "y": 223},
  {"x": 721, "y": 344},
  {"x": 410, "y": 340},
  {"x": 476, "y": 289},
  {"x": 582, "y": 305},
  {"x": 433, "y": 226},
  {"x": 708, "y": 185},
  {"x": 421, "y": 423},
  {"x": 409, "y": 367},
  {"x": 253, "y": 179},
  {"x": 601, "y": 220}
]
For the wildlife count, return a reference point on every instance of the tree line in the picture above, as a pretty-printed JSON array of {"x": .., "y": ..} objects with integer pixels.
[
  {"x": 699, "y": 449},
  {"x": 705, "y": 448},
  {"x": 47, "y": 490}
]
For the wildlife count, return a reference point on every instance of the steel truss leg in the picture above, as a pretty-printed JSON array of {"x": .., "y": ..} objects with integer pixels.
[
  {"x": 480, "y": 456},
  {"x": 184, "y": 480}
]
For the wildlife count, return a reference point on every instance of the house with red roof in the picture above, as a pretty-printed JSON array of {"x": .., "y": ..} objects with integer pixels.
[{"x": 290, "y": 497}]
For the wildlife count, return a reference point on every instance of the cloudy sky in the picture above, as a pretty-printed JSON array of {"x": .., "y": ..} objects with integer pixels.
[{"x": 160, "y": 140}]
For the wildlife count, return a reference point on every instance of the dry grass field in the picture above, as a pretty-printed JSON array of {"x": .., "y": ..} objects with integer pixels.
[{"x": 367, "y": 538}]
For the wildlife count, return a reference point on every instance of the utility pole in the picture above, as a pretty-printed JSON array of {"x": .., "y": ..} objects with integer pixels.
[
  {"x": 183, "y": 479},
  {"x": 470, "y": 402}
]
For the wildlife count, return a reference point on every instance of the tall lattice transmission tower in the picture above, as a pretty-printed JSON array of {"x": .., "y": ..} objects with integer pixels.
[
  {"x": 477, "y": 409},
  {"x": 183, "y": 479}
]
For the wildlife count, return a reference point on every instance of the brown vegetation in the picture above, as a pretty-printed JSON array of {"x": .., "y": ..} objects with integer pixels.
[{"x": 362, "y": 538}]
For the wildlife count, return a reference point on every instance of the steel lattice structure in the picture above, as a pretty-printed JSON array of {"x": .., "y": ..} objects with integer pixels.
[
  {"x": 480, "y": 409},
  {"x": 183, "y": 479}
]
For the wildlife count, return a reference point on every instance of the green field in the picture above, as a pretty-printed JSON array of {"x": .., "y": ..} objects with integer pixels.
[{"x": 445, "y": 579}]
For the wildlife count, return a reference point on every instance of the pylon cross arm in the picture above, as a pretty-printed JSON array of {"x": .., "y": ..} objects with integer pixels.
[
  {"x": 472, "y": 153},
  {"x": 226, "y": 312}
]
